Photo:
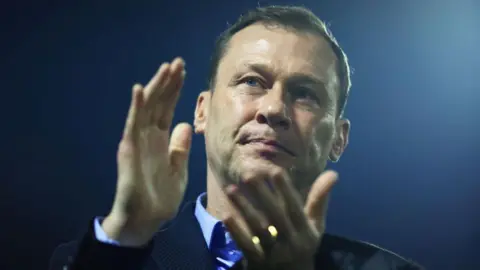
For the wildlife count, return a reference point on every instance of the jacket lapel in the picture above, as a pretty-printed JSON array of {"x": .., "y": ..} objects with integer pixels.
[{"x": 181, "y": 245}]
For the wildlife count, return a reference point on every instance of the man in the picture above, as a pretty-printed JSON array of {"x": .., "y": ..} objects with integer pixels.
[{"x": 272, "y": 118}]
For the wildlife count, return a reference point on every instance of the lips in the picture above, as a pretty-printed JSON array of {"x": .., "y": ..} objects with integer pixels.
[{"x": 269, "y": 142}]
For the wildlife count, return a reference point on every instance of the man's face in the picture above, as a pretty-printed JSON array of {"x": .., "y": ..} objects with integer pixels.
[{"x": 273, "y": 107}]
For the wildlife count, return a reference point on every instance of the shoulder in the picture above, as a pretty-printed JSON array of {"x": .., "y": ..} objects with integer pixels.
[
  {"x": 63, "y": 255},
  {"x": 344, "y": 252},
  {"x": 90, "y": 253}
]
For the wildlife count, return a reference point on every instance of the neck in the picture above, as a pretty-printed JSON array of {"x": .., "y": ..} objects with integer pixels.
[{"x": 217, "y": 202}]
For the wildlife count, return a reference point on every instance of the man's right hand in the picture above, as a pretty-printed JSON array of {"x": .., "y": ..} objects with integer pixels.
[{"x": 152, "y": 170}]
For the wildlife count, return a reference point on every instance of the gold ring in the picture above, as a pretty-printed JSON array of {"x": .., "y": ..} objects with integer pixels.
[
  {"x": 256, "y": 240},
  {"x": 273, "y": 231}
]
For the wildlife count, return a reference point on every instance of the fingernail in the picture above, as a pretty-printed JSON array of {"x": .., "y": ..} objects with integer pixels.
[{"x": 231, "y": 188}]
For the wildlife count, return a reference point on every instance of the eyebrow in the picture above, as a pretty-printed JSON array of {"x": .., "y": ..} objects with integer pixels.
[{"x": 295, "y": 78}]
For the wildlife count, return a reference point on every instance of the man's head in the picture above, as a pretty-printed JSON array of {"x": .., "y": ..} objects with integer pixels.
[{"x": 279, "y": 83}]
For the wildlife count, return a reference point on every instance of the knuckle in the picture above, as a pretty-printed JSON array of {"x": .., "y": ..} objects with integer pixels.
[
  {"x": 276, "y": 174},
  {"x": 249, "y": 178},
  {"x": 126, "y": 149},
  {"x": 276, "y": 177}
]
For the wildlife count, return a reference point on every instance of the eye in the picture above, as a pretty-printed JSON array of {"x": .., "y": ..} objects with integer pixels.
[
  {"x": 251, "y": 81},
  {"x": 305, "y": 94}
]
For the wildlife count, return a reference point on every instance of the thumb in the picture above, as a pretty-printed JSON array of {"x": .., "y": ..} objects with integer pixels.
[
  {"x": 179, "y": 147},
  {"x": 317, "y": 200}
]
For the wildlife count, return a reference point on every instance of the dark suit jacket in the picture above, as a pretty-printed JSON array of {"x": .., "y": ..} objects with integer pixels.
[{"x": 181, "y": 246}]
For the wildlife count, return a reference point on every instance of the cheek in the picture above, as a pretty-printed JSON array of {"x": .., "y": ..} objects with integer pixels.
[
  {"x": 323, "y": 136},
  {"x": 318, "y": 135},
  {"x": 239, "y": 108},
  {"x": 229, "y": 114}
]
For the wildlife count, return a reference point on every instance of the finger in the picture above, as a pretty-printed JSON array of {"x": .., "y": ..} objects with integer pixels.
[
  {"x": 130, "y": 131},
  {"x": 178, "y": 65},
  {"x": 292, "y": 199},
  {"x": 317, "y": 199},
  {"x": 251, "y": 250},
  {"x": 179, "y": 147},
  {"x": 161, "y": 86},
  {"x": 270, "y": 206},
  {"x": 256, "y": 222},
  {"x": 164, "y": 110},
  {"x": 155, "y": 85}
]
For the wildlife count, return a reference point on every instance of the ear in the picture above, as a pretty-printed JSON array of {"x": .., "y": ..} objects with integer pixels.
[
  {"x": 201, "y": 111},
  {"x": 340, "y": 140}
]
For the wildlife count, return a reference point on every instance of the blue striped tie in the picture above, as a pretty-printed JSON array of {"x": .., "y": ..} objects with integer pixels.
[{"x": 224, "y": 248}]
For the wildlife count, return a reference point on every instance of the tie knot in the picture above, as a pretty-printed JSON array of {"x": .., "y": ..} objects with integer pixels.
[
  {"x": 223, "y": 245},
  {"x": 228, "y": 238},
  {"x": 221, "y": 238}
]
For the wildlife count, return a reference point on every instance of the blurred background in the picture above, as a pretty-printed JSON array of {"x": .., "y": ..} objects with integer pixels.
[{"x": 409, "y": 180}]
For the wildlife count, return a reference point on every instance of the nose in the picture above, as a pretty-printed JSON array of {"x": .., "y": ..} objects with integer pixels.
[{"x": 273, "y": 110}]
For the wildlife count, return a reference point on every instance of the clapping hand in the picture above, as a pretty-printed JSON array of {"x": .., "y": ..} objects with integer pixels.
[
  {"x": 272, "y": 227},
  {"x": 152, "y": 164}
]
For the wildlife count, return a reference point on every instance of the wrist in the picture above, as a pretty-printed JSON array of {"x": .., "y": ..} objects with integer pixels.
[{"x": 120, "y": 229}]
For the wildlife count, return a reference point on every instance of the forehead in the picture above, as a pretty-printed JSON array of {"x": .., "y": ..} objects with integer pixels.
[{"x": 284, "y": 51}]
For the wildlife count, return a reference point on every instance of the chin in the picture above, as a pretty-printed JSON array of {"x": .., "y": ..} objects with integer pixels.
[{"x": 252, "y": 167}]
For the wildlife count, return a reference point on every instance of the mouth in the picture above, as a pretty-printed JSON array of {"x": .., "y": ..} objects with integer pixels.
[{"x": 268, "y": 143}]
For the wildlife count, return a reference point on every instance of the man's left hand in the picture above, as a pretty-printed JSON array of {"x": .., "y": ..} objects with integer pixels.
[{"x": 271, "y": 225}]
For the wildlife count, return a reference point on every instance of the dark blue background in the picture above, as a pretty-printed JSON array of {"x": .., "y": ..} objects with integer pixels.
[{"x": 409, "y": 179}]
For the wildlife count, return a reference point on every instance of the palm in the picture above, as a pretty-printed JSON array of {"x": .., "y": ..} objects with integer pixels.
[
  {"x": 165, "y": 183},
  {"x": 151, "y": 165}
]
